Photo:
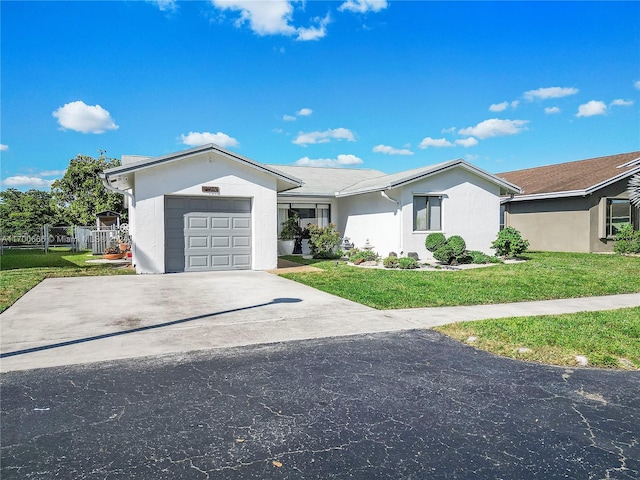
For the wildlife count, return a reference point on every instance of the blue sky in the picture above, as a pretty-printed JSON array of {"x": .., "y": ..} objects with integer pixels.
[{"x": 357, "y": 83}]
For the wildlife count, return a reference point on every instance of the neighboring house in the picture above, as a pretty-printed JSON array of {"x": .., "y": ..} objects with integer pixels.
[
  {"x": 207, "y": 208},
  {"x": 574, "y": 206}
]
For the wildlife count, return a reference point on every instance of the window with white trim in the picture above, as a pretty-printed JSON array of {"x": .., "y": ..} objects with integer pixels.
[
  {"x": 427, "y": 213},
  {"x": 314, "y": 213},
  {"x": 618, "y": 213}
]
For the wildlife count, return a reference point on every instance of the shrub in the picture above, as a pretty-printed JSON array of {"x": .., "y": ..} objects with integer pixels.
[
  {"x": 390, "y": 262},
  {"x": 627, "y": 240},
  {"x": 407, "y": 263},
  {"x": 323, "y": 241},
  {"x": 434, "y": 241},
  {"x": 509, "y": 243},
  {"x": 480, "y": 257},
  {"x": 457, "y": 244},
  {"x": 364, "y": 256},
  {"x": 444, "y": 254}
]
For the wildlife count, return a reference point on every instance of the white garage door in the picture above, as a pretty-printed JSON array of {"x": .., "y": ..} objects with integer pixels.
[{"x": 203, "y": 234}]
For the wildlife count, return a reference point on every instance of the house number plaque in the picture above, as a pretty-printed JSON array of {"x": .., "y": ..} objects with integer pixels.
[{"x": 211, "y": 190}]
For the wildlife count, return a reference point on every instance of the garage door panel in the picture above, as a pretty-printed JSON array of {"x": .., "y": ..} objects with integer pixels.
[
  {"x": 220, "y": 222},
  {"x": 220, "y": 242},
  {"x": 198, "y": 222},
  {"x": 242, "y": 260},
  {"x": 242, "y": 223},
  {"x": 207, "y": 234},
  {"x": 239, "y": 242},
  {"x": 198, "y": 242}
]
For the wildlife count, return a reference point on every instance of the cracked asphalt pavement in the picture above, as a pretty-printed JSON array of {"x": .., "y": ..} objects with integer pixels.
[{"x": 411, "y": 404}]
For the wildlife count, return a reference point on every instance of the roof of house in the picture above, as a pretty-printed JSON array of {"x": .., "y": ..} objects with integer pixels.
[
  {"x": 323, "y": 181},
  {"x": 343, "y": 182},
  {"x": 399, "y": 179},
  {"x": 577, "y": 178},
  {"x": 118, "y": 176}
]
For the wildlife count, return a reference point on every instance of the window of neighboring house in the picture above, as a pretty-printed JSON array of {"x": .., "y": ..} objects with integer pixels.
[
  {"x": 618, "y": 213},
  {"x": 427, "y": 213},
  {"x": 314, "y": 213}
]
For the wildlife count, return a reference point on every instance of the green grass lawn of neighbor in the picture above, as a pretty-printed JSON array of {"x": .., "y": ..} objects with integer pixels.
[
  {"x": 21, "y": 270},
  {"x": 543, "y": 276},
  {"x": 608, "y": 339}
]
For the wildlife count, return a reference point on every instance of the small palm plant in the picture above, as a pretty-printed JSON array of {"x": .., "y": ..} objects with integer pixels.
[{"x": 634, "y": 190}]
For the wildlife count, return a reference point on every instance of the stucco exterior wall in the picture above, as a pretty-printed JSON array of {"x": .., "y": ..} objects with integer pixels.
[
  {"x": 187, "y": 177},
  {"x": 370, "y": 216},
  {"x": 550, "y": 227},
  {"x": 470, "y": 208},
  {"x": 569, "y": 224}
]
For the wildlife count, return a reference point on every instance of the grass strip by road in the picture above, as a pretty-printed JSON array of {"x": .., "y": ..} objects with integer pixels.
[
  {"x": 544, "y": 276},
  {"x": 21, "y": 270},
  {"x": 608, "y": 339}
]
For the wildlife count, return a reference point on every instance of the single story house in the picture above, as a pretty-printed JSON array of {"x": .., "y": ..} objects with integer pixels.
[
  {"x": 208, "y": 208},
  {"x": 574, "y": 206}
]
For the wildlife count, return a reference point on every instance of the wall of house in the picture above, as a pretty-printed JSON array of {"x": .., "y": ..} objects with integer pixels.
[
  {"x": 560, "y": 225},
  {"x": 617, "y": 190},
  {"x": 186, "y": 177},
  {"x": 569, "y": 224},
  {"x": 370, "y": 217},
  {"x": 470, "y": 208}
]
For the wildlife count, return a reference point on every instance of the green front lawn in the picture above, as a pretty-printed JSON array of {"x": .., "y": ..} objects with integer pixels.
[
  {"x": 609, "y": 339},
  {"x": 544, "y": 276},
  {"x": 21, "y": 270}
]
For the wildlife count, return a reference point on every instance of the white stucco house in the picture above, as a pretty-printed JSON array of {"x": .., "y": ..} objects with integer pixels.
[{"x": 208, "y": 208}]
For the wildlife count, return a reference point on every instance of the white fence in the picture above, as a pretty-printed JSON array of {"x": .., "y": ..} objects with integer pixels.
[{"x": 100, "y": 240}]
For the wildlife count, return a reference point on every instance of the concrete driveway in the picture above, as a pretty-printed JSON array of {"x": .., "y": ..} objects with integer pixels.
[{"x": 66, "y": 321}]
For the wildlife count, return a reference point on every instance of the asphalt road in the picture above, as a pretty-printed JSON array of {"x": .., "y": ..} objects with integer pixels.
[{"x": 389, "y": 405}]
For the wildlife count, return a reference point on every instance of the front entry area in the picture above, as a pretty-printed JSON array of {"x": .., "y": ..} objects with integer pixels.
[{"x": 207, "y": 234}]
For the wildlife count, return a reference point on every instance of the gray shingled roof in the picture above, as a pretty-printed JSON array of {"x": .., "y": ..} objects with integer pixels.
[
  {"x": 343, "y": 182},
  {"x": 322, "y": 181}
]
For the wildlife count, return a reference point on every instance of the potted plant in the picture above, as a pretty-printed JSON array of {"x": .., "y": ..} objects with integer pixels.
[
  {"x": 290, "y": 231},
  {"x": 123, "y": 238},
  {"x": 113, "y": 252},
  {"x": 304, "y": 242}
]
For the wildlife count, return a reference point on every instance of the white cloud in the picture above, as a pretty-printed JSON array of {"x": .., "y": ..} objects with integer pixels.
[
  {"x": 363, "y": 6},
  {"x": 622, "y": 103},
  {"x": 196, "y": 139},
  {"x": 84, "y": 118},
  {"x": 550, "y": 92},
  {"x": 435, "y": 142},
  {"x": 499, "y": 107},
  {"x": 448, "y": 130},
  {"x": 637, "y": 84},
  {"x": 551, "y": 110},
  {"x": 391, "y": 151},
  {"x": 24, "y": 181},
  {"x": 272, "y": 17},
  {"x": 289, "y": 118},
  {"x": 165, "y": 5},
  {"x": 341, "y": 161},
  {"x": 304, "y": 112},
  {"x": 324, "y": 137},
  {"x": 52, "y": 173},
  {"x": 3, "y": 147},
  {"x": 589, "y": 109},
  {"x": 467, "y": 142},
  {"x": 314, "y": 33},
  {"x": 495, "y": 127}
]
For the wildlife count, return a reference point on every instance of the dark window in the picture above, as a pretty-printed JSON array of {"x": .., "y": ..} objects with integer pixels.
[{"x": 427, "y": 213}]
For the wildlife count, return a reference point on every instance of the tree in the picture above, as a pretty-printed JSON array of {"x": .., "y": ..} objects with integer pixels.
[
  {"x": 634, "y": 190},
  {"x": 22, "y": 214},
  {"x": 80, "y": 193}
]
